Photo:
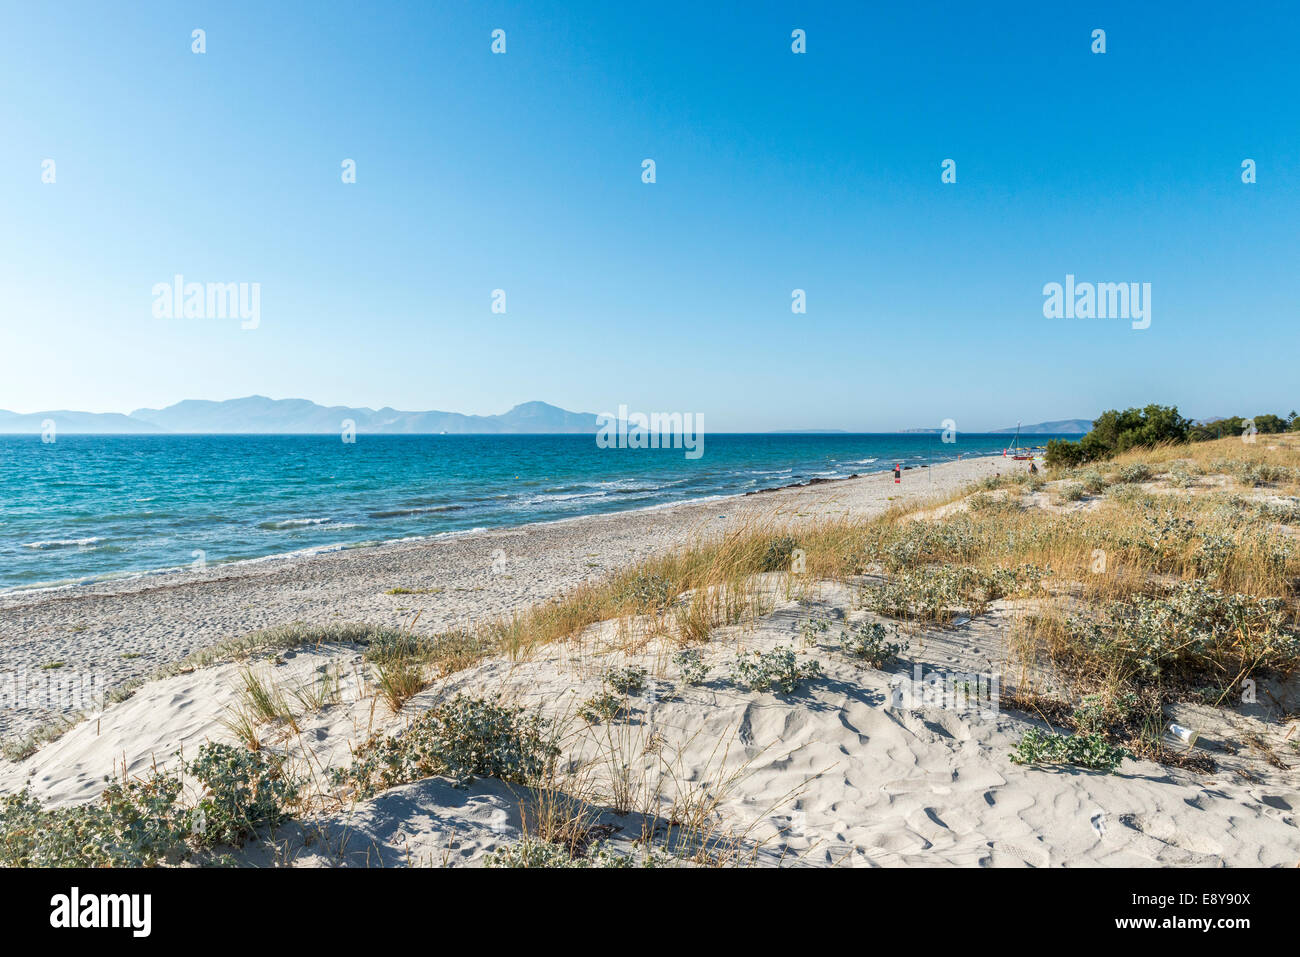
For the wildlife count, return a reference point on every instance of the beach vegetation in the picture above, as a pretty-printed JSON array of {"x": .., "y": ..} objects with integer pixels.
[
  {"x": 145, "y": 821},
  {"x": 463, "y": 738},
  {"x": 628, "y": 680},
  {"x": 603, "y": 706},
  {"x": 939, "y": 592},
  {"x": 243, "y": 791},
  {"x": 776, "y": 556},
  {"x": 531, "y": 852},
  {"x": 811, "y": 630},
  {"x": 692, "y": 665},
  {"x": 400, "y": 681},
  {"x": 869, "y": 641},
  {"x": 1072, "y": 492},
  {"x": 1091, "y": 751},
  {"x": 776, "y": 670},
  {"x": 1114, "y": 432}
]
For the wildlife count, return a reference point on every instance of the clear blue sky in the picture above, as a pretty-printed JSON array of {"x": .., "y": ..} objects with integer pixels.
[{"x": 775, "y": 171}]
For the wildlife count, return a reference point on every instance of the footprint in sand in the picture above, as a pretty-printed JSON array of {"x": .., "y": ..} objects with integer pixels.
[{"x": 1166, "y": 832}]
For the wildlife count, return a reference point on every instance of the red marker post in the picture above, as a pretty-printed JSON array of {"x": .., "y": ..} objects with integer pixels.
[{"x": 898, "y": 473}]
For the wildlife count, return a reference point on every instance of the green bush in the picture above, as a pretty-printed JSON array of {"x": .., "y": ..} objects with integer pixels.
[
  {"x": 244, "y": 790},
  {"x": 462, "y": 738},
  {"x": 1090, "y": 750},
  {"x": 1094, "y": 481},
  {"x": 625, "y": 681},
  {"x": 1063, "y": 454},
  {"x": 1114, "y": 432},
  {"x": 1135, "y": 473},
  {"x": 531, "y": 852},
  {"x": 691, "y": 662},
  {"x": 133, "y": 824},
  {"x": 933, "y": 592},
  {"x": 776, "y": 669},
  {"x": 1072, "y": 492},
  {"x": 1120, "y": 431},
  {"x": 1189, "y": 632},
  {"x": 647, "y": 592},
  {"x": 868, "y": 641},
  {"x": 605, "y": 706},
  {"x": 138, "y": 822}
]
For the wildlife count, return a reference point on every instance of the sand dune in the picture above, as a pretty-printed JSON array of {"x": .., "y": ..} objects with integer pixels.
[{"x": 856, "y": 767}]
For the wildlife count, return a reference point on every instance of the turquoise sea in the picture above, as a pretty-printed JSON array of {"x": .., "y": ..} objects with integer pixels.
[{"x": 85, "y": 508}]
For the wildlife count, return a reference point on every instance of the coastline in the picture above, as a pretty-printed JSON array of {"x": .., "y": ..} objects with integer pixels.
[{"x": 121, "y": 630}]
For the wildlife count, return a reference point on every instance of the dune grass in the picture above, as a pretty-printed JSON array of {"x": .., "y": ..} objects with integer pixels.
[{"x": 1095, "y": 569}]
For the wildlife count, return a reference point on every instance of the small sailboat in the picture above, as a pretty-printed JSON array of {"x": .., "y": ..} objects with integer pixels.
[{"x": 1018, "y": 453}]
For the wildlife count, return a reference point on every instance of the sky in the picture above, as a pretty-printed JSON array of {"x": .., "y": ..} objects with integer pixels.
[{"x": 774, "y": 171}]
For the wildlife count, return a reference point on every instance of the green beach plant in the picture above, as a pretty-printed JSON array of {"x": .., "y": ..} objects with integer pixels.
[
  {"x": 463, "y": 738},
  {"x": 692, "y": 665},
  {"x": 869, "y": 641},
  {"x": 778, "y": 669},
  {"x": 1091, "y": 751}
]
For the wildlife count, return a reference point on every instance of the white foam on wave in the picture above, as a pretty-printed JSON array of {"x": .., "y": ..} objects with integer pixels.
[
  {"x": 285, "y": 523},
  {"x": 63, "y": 543}
]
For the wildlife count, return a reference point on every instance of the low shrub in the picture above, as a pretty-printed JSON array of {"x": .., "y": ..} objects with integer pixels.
[
  {"x": 869, "y": 642},
  {"x": 139, "y": 822},
  {"x": 133, "y": 824},
  {"x": 777, "y": 669},
  {"x": 531, "y": 852},
  {"x": 605, "y": 706},
  {"x": 812, "y": 629},
  {"x": 243, "y": 791},
  {"x": 1135, "y": 472},
  {"x": 646, "y": 592},
  {"x": 1189, "y": 632},
  {"x": 934, "y": 593},
  {"x": 628, "y": 680},
  {"x": 462, "y": 738},
  {"x": 1090, "y": 751},
  {"x": 691, "y": 663},
  {"x": 1071, "y": 492},
  {"x": 1094, "y": 481}
]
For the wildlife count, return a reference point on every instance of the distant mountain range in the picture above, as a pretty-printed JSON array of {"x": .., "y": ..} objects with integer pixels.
[
  {"x": 260, "y": 415},
  {"x": 1059, "y": 427},
  {"x": 97, "y": 423}
]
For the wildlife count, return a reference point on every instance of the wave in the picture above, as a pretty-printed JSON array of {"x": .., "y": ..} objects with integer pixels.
[
  {"x": 287, "y": 523},
  {"x": 564, "y": 497},
  {"x": 63, "y": 543},
  {"x": 405, "y": 512}
]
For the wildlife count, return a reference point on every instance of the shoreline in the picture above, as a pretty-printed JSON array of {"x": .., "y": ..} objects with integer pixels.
[
  {"x": 127, "y": 629},
  {"x": 83, "y": 585}
]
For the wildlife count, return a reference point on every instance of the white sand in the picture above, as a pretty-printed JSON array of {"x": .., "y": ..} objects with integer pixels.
[
  {"x": 119, "y": 631},
  {"x": 850, "y": 771},
  {"x": 856, "y": 769}
]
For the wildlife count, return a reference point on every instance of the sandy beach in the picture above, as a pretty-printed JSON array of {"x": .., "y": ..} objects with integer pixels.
[
  {"x": 856, "y": 766},
  {"x": 119, "y": 631}
]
